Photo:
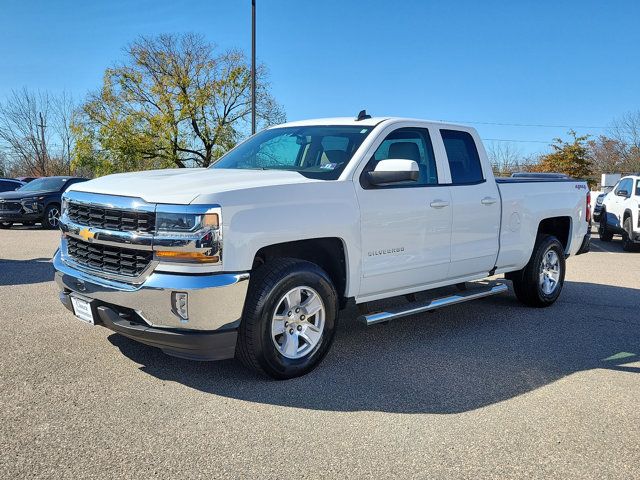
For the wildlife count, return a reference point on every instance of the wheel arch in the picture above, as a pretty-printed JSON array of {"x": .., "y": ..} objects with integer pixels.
[
  {"x": 559, "y": 227},
  {"x": 329, "y": 253}
]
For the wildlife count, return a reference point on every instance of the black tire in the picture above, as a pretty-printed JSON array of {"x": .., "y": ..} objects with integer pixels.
[
  {"x": 48, "y": 217},
  {"x": 605, "y": 233},
  {"x": 6, "y": 224},
  {"x": 268, "y": 284},
  {"x": 526, "y": 282},
  {"x": 627, "y": 243}
]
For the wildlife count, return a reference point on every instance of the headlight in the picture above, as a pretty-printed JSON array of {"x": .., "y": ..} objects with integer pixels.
[
  {"x": 188, "y": 234},
  {"x": 31, "y": 203},
  {"x": 185, "y": 222}
]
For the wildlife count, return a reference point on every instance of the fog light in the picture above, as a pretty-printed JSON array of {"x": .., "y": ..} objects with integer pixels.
[{"x": 180, "y": 302}]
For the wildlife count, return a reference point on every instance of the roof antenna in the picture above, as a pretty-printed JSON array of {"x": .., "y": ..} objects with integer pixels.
[{"x": 363, "y": 115}]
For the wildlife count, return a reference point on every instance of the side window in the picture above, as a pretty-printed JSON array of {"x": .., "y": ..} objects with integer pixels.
[
  {"x": 625, "y": 184},
  {"x": 6, "y": 186},
  {"x": 638, "y": 188},
  {"x": 462, "y": 154},
  {"x": 408, "y": 144}
]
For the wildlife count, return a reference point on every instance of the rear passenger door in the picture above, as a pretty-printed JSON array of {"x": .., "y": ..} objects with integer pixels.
[{"x": 475, "y": 204}]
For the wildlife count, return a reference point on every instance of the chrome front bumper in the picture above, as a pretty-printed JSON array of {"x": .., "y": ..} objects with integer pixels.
[{"x": 215, "y": 302}]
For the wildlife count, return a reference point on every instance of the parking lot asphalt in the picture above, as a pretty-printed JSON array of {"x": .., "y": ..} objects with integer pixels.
[{"x": 490, "y": 389}]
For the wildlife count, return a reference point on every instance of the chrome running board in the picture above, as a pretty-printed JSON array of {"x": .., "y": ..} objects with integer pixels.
[{"x": 483, "y": 290}]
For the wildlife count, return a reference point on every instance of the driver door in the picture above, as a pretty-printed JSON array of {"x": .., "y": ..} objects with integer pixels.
[{"x": 405, "y": 227}]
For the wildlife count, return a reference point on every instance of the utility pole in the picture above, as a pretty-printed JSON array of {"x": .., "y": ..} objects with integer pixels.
[
  {"x": 43, "y": 145},
  {"x": 253, "y": 67}
]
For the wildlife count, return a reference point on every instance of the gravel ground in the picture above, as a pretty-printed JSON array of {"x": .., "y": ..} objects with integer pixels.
[{"x": 489, "y": 389}]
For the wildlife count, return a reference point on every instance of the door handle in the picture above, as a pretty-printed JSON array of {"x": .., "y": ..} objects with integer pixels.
[
  {"x": 488, "y": 200},
  {"x": 439, "y": 204}
]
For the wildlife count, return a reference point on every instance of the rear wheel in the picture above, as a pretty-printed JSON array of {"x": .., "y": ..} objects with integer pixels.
[
  {"x": 627, "y": 235},
  {"x": 289, "y": 319},
  {"x": 539, "y": 284},
  {"x": 605, "y": 233}
]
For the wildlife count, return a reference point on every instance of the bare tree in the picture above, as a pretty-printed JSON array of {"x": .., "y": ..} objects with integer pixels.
[
  {"x": 63, "y": 111},
  {"x": 626, "y": 132},
  {"x": 23, "y": 130},
  {"x": 506, "y": 159}
]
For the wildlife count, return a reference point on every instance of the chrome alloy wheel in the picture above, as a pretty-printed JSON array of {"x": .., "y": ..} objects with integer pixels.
[
  {"x": 298, "y": 322},
  {"x": 549, "y": 272},
  {"x": 53, "y": 217}
]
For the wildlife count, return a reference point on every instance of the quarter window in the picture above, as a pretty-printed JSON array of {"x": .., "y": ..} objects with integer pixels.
[{"x": 462, "y": 154}]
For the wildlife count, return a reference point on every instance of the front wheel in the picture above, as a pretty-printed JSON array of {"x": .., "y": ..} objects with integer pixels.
[
  {"x": 627, "y": 235},
  {"x": 605, "y": 234},
  {"x": 289, "y": 319},
  {"x": 51, "y": 217},
  {"x": 539, "y": 284}
]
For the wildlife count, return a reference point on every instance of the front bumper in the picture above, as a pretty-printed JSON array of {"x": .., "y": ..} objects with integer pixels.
[
  {"x": 19, "y": 217},
  {"x": 146, "y": 312}
]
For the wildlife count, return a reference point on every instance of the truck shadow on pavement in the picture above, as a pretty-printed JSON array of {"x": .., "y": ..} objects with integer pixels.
[
  {"x": 455, "y": 360},
  {"x": 26, "y": 272}
]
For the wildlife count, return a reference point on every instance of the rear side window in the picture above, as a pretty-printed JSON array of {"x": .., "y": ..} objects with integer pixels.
[
  {"x": 638, "y": 188},
  {"x": 462, "y": 154}
]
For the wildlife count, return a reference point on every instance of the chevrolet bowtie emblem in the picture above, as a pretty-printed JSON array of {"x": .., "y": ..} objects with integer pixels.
[{"x": 86, "y": 234}]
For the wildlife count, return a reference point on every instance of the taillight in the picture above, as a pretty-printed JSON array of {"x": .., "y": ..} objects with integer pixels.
[{"x": 588, "y": 207}]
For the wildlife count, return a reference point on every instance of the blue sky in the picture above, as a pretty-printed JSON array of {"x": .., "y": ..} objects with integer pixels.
[{"x": 564, "y": 63}]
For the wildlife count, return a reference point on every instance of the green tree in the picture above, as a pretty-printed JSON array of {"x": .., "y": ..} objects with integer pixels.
[
  {"x": 571, "y": 158},
  {"x": 175, "y": 101}
]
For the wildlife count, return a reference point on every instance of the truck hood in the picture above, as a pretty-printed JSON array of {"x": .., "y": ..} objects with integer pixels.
[{"x": 184, "y": 185}]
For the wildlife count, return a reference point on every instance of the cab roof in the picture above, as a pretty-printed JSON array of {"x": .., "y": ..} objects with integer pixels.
[{"x": 367, "y": 122}]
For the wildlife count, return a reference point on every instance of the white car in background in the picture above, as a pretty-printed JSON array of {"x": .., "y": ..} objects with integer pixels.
[{"x": 620, "y": 213}]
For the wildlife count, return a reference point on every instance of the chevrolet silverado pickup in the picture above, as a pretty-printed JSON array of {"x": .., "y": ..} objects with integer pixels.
[{"x": 255, "y": 256}]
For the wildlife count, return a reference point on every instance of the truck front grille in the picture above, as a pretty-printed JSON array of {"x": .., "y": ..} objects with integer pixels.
[
  {"x": 110, "y": 218},
  {"x": 112, "y": 260}
]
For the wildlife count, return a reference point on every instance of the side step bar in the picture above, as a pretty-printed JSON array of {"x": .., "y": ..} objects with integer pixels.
[{"x": 484, "y": 290}]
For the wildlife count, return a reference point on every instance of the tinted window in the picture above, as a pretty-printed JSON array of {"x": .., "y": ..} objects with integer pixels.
[
  {"x": 7, "y": 186},
  {"x": 314, "y": 151},
  {"x": 462, "y": 154},
  {"x": 638, "y": 188},
  {"x": 408, "y": 144}
]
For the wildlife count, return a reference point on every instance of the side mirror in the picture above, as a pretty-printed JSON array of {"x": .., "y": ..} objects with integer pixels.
[
  {"x": 394, "y": 171},
  {"x": 622, "y": 193}
]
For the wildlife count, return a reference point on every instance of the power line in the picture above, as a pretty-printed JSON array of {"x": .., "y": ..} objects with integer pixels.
[
  {"x": 515, "y": 141},
  {"x": 524, "y": 124}
]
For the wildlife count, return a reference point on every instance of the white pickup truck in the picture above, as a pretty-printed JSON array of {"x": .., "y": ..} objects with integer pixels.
[
  {"x": 255, "y": 256},
  {"x": 620, "y": 213}
]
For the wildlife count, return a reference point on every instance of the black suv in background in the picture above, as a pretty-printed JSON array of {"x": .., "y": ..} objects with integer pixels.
[{"x": 36, "y": 202}]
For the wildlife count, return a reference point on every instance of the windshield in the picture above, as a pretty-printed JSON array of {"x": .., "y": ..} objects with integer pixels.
[
  {"x": 50, "y": 184},
  {"x": 320, "y": 152}
]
